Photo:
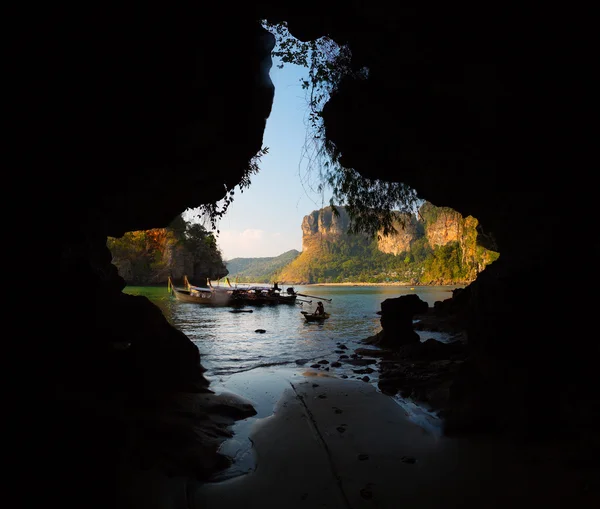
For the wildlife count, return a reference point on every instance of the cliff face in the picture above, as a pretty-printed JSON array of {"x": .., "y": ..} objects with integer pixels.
[
  {"x": 443, "y": 226},
  {"x": 197, "y": 268},
  {"x": 447, "y": 227},
  {"x": 150, "y": 257},
  {"x": 322, "y": 225},
  {"x": 407, "y": 232},
  {"x": 435, "y": 246}
]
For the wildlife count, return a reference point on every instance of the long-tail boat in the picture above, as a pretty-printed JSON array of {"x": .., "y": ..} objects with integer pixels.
[{"x": 199, "y": 294}]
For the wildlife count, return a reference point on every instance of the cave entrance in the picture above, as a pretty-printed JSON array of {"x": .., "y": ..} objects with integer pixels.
[{"x": 262, "y": 354}]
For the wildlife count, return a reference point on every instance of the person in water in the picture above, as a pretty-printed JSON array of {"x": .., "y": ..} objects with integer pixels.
[{"x": 320, "y": 309}]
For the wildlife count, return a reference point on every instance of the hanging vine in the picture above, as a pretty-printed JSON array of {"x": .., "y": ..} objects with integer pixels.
[{"x": 373, "y": 205}]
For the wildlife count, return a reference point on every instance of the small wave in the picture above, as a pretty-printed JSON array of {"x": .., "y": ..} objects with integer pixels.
[
  {"x": 245, "y": 359},
  {"x": 421, "y": 416},
  {"x": 242, "y": 369}
]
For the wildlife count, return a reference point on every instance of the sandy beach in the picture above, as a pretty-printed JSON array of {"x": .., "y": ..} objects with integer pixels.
[
  {"x": 319, "y": 441},
  {"x": 333, "y": 443}
]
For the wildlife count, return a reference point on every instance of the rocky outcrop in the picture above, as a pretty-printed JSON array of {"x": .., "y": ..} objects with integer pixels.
[
  {"x": 408, "y": 230},
  {"x": 397, "y": 316},
  {"x": 441, "y": 226},
  {"x": 447, "y": 227},
  {"x": 157, "y": 262},
  {"x": 332, "y": 254},
  {"x": 324, "y": 224}
]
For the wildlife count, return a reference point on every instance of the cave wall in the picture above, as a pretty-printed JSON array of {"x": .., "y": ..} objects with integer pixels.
[
  {"x": 124, "y": 118},
  {"x": 463, "y": 103}
]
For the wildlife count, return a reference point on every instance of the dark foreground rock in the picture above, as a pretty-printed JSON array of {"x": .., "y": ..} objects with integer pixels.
[
  {"x": 397, "y": 316},
  {"x": 422, "y": 371}
]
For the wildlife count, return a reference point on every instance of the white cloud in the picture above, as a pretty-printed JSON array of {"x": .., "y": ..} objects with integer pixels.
[
  {"x": 251, "y": 235},
  {"x": 241, "y": 244},
  {"x": 256, "y": 243}
]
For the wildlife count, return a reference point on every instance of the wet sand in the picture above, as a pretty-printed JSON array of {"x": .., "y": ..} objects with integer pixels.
[{"x": 335, "y": 443}]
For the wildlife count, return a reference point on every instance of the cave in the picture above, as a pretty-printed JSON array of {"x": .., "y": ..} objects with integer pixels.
[{"x": 125, "y": 118}]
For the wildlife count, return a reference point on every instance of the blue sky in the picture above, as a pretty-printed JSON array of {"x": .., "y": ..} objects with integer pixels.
[{"x": 265, "y": 220}]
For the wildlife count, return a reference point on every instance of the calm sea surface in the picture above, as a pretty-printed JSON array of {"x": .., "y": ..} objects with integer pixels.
[
  {"x": 229, "y": 344},
  {"x": 258, "y": 366}
]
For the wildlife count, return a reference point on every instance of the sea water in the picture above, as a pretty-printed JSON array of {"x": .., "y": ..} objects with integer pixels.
[{"x": 256, "y": 355}]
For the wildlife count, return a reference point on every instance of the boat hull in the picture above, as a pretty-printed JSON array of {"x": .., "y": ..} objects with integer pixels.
[
  {"x": 202, "y": 298},
  {"x": 311, "y": 317}
]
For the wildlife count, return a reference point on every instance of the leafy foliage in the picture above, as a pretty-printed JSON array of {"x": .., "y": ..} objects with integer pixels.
[
  {"x": 213, "y": 212},
  {"x": 327, "y": 63},
  {"x": 371, "y": 203},
  {"x": 148, "y": 256},
  {"x": 139, "y": 255}
]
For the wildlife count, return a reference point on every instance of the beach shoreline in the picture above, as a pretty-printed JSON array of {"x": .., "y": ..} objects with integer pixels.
[
  {"x": 338, "y": 443},
  {"x": 320, "y": 440},
  {"x": 334, "y": 443}
]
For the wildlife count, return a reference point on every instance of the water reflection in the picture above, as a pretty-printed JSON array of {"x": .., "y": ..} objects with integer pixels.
[{"x": 229, "y": 343}]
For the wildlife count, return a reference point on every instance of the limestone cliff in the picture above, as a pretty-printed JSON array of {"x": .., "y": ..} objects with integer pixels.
[
  {"x": 150, "y": 257},
  {"x": 434, "y": 246},
  {"x": 446, "y": 227},
  {"x": 439, "y": 226},
  {"x": 322, "y": 225},
  {"x": 408, "y": 230}
]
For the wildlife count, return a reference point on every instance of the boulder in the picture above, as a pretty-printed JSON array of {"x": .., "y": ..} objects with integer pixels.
[{"x": 397, "y": 321}]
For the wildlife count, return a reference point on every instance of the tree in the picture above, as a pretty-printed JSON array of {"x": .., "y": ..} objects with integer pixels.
[{"x": 146, "y": 257}]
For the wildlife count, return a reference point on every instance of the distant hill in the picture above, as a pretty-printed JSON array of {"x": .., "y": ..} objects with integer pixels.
[{"x": 259, "y": 270}]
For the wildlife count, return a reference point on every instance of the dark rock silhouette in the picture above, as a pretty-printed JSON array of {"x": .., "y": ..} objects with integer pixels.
[
  {"x": 397, "y": 316},
  {"x": 119, "y": 121}
]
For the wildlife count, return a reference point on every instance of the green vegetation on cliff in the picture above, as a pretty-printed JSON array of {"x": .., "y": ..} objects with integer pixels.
[
  {"x": 259, "y": 270},
  {"x": 150, "y": 256},
  {"x": 442, "y": 249},
  {"x": 439, "y": 246}
]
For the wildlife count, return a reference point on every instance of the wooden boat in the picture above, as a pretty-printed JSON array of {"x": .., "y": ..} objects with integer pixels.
[
  {"x": 199, "y": 294},
  {"x": 311, "y": 317},
  {"x": 256, "y": 295},
  {"x": 289, "y": 297}
]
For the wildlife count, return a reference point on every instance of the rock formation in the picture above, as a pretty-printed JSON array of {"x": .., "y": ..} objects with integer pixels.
[
  {"x": 397, "y": 316},
  {"x": 322, "y": 225},
  {"x": 431, "y": 227},
  {"x": 121, "y": 119},
  {"x": 407, "y": 232}
]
